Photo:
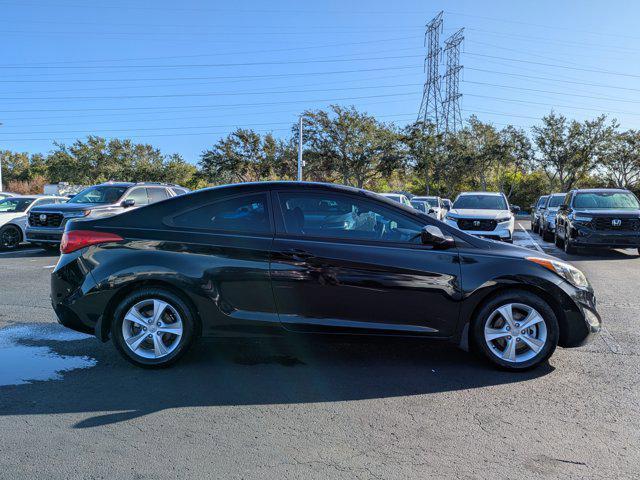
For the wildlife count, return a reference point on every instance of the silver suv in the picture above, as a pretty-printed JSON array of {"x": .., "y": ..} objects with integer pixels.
[{"x": 46, "y": 223}]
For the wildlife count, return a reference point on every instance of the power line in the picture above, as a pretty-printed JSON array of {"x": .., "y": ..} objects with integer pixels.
[
  {"x": 209, "y": 94},
  {"x": 210, "y": 106},
  {"x": 518, "y": 60}
]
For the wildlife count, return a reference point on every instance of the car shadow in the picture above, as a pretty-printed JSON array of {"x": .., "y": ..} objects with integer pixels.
[
  {"x": 222, "y": 373},
  {"x": 26, "y": 250}
]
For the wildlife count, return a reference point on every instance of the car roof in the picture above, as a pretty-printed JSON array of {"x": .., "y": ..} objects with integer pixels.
[
  {"x": 492, "y": 194},
  {"x": 595, "y": 190},
  {"x": 36, "y": 196},
  {"x": 556, "y": 194}
]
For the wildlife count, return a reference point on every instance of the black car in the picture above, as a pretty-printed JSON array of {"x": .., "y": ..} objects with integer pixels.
[
  {"x": 536, "y": 213},
  {"x": 291, "y": 258},
  {"x": 598, "y": 218}
]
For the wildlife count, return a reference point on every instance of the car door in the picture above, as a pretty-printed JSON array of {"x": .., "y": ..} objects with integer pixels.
[
  {"x": 349, "y": 263},
  {"x": 228, "y": 241}
]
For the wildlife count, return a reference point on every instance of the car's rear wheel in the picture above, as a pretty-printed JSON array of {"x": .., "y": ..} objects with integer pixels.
[
  {"x": 516, "y": 330},
  {"x": 153, "y": 327},
  {"x": 10, "y": 237}
]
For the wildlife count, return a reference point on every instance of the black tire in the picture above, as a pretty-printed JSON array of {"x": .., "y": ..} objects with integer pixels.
[
  {"x": 520, "y": 297},
  {"x": 569, "y": 248},
  {"x": 188, "y": 326},
  {"x": 10, "y": 237},
  {"x": 557, "y": 241},
  {"x": 546, "y": 236},
  {"x": 534, "y": 227}
]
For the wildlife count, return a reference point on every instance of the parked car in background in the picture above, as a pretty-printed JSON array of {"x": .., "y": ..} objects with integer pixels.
[
  {"x": 13, "y": 216},
  {"x": 398, "y": 197},
  {"x": 447, "y": 204},
  {"x": 275, "y": 258},
  {"x": 46, "y": 223},
  {"x": 4, "y": 195},
  {"x": 485, "y": 214},
  {"x": 421, "y": 206},
  {"x": 436, "y": 208},
  {"x": 547, "y": 227},
  {"x": 600, "y": 218},
  {"x": 536, "y": 213}
]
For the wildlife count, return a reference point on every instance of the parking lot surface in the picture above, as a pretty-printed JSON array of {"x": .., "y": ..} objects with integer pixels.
[{"x": 70, "y": 407}]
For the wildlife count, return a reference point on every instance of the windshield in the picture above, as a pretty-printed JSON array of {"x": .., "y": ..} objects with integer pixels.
[
  {"x": 555, "y": 201},
  {"x": 419, "y": 205},
  {"x": 542, "y": 201},
  {"x": 12, "y": 205},
  {"x": 432, "y": 202},
  {"x": 481, "y": 202},
  {"x": 606, "y": 200},
  {"x": 99, "y": 194}
]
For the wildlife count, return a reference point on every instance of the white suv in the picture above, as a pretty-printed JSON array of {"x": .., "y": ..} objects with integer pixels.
[{"x": 485, "y": 214}]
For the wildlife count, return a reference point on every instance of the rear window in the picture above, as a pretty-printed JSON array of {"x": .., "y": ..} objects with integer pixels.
[{"x": 244, "y": 214}]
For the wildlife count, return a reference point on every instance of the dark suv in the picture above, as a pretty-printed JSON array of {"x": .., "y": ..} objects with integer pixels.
[
  {"x": 46, "y": 223},
  {"x": 605, "y": 218}
]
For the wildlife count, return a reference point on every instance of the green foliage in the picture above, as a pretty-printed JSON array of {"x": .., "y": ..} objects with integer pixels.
[{"x": 347, "y": 146}]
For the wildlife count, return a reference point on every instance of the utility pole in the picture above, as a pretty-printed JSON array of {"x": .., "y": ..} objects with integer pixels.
[
  {"x": 451, "y": 103},
  {"x": 431, "y": 98},
  {"x": 300, "y": 150},
  {"x": 1, "y": 167}
]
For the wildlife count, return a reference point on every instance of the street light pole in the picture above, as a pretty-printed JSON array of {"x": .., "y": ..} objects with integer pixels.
[{"x": 300, "y": 151}]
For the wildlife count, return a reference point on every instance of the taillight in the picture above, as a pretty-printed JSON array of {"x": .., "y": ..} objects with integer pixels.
[{"x": 77, "y": 239}]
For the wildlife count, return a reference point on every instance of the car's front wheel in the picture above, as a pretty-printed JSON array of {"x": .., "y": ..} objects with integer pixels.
[
  {"x": 153, "y": 327},
  {"x": 516, "y": 330},
  {"x": 10, "y": 237}
]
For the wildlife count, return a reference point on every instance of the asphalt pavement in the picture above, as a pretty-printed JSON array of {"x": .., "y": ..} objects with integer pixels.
[{"x": 70, "y": 407}]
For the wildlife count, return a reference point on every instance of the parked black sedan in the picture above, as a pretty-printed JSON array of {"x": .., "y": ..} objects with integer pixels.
[
  {"x": 282, "y": 258},
  {"x": 598, "y": 218}
]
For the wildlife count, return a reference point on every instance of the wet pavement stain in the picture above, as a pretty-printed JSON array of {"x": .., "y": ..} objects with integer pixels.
[{"x": 24, "y": 360}]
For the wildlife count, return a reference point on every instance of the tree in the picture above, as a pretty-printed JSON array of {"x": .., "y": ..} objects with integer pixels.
[
  {"x": 351, "y": 145},
  {"x": 422, "y": 144},
  {"x": 242, "y": 156},
  {"x": 569, "y": 150},
  {"x": 622, "y": 163}
]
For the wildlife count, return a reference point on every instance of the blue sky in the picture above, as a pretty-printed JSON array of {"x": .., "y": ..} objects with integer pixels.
[{"x": 180, "y": 75}]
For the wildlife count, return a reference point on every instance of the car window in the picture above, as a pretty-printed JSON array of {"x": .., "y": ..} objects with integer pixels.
[
  {"x": 555, "y": 201},
  {"x": 14, "y": 205},
  {"x": 101, "y": 194},
  {"x": 542, "y": 201},
  {"x": 606, "y": 200},
  {"x": 327, "y": 215},
  {"x": 139, "y": 195},
  {"x": 244, "y": 214},
  {"x": 178, "y": 191},
  {"x": 482, "y": 202},
  {"x": 157, "y": 194}
]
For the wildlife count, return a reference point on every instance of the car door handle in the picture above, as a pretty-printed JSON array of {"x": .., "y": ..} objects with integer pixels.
[{"x": 297, "y": 254}]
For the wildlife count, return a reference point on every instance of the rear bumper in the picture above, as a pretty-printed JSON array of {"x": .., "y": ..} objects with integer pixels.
[{"x": 585, "y": 237}]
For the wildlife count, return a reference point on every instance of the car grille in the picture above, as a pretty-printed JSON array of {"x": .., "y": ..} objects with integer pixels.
[
  {"x": 606, "y": 223},
  {"x": 52, "y": 220},
  {"x": 478, "y": 225}
]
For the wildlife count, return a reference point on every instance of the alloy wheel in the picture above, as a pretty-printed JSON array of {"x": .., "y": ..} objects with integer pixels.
[
  {"x": 152, "y": 328},
  {"x": 9, "y": 237},
  {"x": 515, "y": 332}
]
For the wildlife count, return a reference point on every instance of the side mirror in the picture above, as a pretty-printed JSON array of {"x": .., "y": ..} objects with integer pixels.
[
  {"x": 431, "y": 210},
  {"x": 129, "y": 202},
  {"x": 515, "y": 208},
  {"x": 432, "y": 235},
  {"x": 563, "y": 207}
]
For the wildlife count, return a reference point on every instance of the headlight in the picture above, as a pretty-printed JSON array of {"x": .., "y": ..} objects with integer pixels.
[
  {"x": 570, "y": 273},
  {"x": 503, "y": 219},
  {"x": 448, "y": 216},
  {"x": 80, "y": 214}
]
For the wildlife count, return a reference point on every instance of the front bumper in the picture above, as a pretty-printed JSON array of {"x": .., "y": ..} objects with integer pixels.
[
  {"x": 44, "y": 235},
  {"x": 586, "y": 237},
  {"x": 503, "y": 231},
  {"x": 582, "y": 320}
]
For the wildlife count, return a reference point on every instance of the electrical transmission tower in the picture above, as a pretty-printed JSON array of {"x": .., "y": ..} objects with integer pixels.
[
  {"x": 430, "y": 107},
  {"x": 451, "y": 104}
]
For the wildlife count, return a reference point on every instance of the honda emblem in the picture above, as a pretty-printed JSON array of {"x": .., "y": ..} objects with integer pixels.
[
  {"x": 616, "y": 222},
  {"x": 476, "y": 223},
  {"x": 43, "y": 218}
]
